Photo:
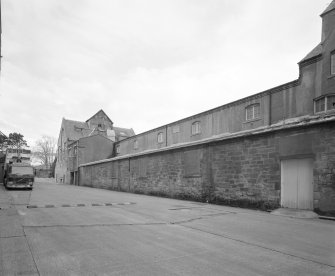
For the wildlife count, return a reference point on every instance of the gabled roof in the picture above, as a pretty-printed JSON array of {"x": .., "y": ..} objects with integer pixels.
[
  {"x": 330, "y": 8},
  {"x": 75, "y": 129},
  {"x": 99, "y": 112},
  {"x": 315, "y": 52}
]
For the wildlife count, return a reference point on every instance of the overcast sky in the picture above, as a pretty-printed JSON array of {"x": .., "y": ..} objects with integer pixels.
[{"x": 146, "y": 63}]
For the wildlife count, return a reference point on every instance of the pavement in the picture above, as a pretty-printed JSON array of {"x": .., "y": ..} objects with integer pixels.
[
  {"x": 60, "y": 229},
  {"x": 295, "y": 213}
]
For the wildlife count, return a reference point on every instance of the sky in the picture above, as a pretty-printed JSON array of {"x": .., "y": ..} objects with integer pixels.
[{"x": 146, "y": 63}]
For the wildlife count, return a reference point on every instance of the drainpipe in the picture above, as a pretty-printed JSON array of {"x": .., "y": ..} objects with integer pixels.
[
  {"x": 270, "y": 110},
  {"x": 77, "y": 157},
  {"x": 129, "y": 175}
]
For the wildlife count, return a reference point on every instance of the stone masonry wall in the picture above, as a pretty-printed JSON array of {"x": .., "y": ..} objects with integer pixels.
[
  {"x": 247, "y": 172},
  {"x": 240, "y": 172}
]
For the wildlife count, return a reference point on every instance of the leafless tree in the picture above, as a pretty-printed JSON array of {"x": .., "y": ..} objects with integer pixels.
[{"x": 44, "y": 150}]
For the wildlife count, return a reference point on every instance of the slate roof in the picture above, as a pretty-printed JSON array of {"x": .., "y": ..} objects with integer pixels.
[
  {"x": 315, "y": 52},
  {"x": 119, "y": 131},
  {"x": 318, "y": 49},
  {"x": 75, "y": 129},
  {"x": 330, "y": 8}
]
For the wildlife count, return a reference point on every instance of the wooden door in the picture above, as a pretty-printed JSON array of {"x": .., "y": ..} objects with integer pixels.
[{"x": 297, "y": 183}]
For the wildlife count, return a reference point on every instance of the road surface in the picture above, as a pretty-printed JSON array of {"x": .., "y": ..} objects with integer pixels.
[{"x": 69, "y": 230}]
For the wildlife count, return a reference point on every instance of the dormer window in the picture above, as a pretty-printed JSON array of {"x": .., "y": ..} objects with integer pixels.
[
  {"x": 324, "y": 103},
  {"x": 252, "y": 112},
  {"x": 332, "y": 63},
  {"x": 135, "y": 144},
  {"x": 118, "y": 149}
]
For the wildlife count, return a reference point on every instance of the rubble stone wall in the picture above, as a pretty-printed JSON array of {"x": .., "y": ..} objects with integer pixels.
[{"x": 242, "y": 172}]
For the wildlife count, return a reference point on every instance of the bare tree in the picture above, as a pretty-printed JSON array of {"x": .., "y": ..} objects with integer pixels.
[{"x": 44, "y": 150}]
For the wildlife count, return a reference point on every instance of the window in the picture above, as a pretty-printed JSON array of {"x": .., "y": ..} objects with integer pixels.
[
  {"x": 175, "y": 129},
  {"x": 118, "y": 149},
  {"x": 252, "y": 112},
  {"x": 332, "y": 63},
  {"x": 160, "y": 137},
  {"x": 135, "y": 144},
  {"x": 99, "y": 125},
  {"x": 325, "y": 103},
  {"x": 196, "y": 129},
  {"x": 320, "y": 105},
  {"x": 331, "y": 102}
]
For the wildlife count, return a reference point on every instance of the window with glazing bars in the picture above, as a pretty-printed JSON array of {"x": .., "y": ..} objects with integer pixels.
[{"x": 252, "y": 112}]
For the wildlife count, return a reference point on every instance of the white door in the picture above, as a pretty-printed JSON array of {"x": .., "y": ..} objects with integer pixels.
[{"x": 297, "y": 183}]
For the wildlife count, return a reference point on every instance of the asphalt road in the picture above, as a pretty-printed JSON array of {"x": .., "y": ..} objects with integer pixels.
[{"x": 69, "y": 230}]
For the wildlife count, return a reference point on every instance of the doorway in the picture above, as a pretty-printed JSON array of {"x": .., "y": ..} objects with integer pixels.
[{"x": 297, "y": 183}]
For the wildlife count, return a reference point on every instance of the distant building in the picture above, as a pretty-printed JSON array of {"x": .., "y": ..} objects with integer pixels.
[
  {"x": 82, "y": 142},
  {"x": 43, "y": 171}
]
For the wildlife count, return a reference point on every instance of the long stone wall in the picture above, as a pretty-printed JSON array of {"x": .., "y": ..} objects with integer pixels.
[{"x": 242, "y": 171}]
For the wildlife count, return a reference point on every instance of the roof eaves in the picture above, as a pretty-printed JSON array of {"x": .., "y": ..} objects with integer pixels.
[{"x": 314, "y": 54}]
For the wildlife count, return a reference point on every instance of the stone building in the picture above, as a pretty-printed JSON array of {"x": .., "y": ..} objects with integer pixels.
[
  {"x": 82, "y": 142},
  {"x": 42, "y": 171},
  {"x": 275, "y": 148}
]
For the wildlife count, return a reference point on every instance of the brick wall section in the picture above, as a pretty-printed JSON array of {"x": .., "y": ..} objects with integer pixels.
[{"x": 240, "y": 172}]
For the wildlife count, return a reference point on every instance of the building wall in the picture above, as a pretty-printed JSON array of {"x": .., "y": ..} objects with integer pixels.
[
  {"x": 227, "y": 162},
  {"x": 94, "y": 148},
  {"x": 285, "y": 102},
  {"x": 328, "y": 37},
  {"x": 100, "y": 119},
  {"x": 291, "y": 100},
  {"x": 61, "y": 172},
  {"x": 242, "y": 171}
]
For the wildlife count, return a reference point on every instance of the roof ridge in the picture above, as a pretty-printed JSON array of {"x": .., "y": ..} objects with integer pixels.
[{"x": 74, "y": 121}]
